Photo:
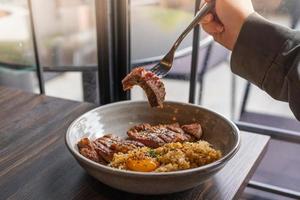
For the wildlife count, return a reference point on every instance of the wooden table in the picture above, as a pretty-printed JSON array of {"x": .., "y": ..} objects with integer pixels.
[{"x": 35, "y": 163}]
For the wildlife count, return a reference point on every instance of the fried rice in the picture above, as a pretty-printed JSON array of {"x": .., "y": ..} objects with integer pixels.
[{"x": 170, "y": 157}]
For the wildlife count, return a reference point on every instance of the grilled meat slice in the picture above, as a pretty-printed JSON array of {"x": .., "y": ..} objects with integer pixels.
[
  {"x": 126, "y": 145},
  {"x": 150, "y": 83},
  {"x": 193, "y": 129},
  {"x": 174, "y": 127},
  {"x": 156, "y": 136},
  {"x": 172, "y": 131},
  {"x": 87, "y": 149},
  {"x": 143, "y": 133},
  {"x": 102, "y": 147},
  {"x": 107, "y": 145}
]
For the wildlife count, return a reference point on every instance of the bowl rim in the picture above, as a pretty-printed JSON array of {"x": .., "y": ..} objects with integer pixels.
[{"x": 212, "y": 165}]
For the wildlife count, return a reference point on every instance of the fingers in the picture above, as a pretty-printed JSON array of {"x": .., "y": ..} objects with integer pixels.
[
  {"x": 207, "y": 19},
  {"x": 211, "y": 24},
  {"x": 212, "y": 27}
]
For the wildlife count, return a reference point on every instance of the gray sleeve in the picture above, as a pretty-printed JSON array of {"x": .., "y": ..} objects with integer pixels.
[{"x": 268, "y": 55}]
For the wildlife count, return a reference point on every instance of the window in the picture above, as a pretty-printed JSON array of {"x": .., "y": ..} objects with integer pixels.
[
  {"x": 17, "y": 65},
  {"x": 67, "y": 39}
]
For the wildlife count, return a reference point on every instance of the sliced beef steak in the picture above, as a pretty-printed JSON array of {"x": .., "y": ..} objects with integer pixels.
[
  {"x": 87, "y": 149},
  {"x": 126, "y": 145},
  {"x": 150, "y": 83},
  {"x": 156, "y": 136},
  {"x": 193, "y": 129},
  {"x": 142, "y": 133},
  {"x": 103, "y": 148}
]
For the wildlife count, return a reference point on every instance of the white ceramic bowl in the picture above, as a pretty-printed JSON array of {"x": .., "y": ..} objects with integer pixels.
[{"x": 117, "y": 118}]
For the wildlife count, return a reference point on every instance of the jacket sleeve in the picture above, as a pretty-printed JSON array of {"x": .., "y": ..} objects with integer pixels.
[{"x": 268, "y": 55}]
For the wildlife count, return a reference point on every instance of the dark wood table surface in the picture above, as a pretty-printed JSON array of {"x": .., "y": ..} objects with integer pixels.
[{"x": 35, "y": 163}]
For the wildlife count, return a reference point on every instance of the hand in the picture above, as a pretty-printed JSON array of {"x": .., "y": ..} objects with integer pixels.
[{"x": 225, "y": 23}]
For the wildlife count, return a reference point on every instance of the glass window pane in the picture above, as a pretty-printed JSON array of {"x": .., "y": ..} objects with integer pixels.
[
  {"x": 156, "y": 24},
  {"x": 65, "y": 85},
  {"x": 17, "y": 65},
  {"x": 66, "y": 32},
  {"x": 67, "y": 37}
]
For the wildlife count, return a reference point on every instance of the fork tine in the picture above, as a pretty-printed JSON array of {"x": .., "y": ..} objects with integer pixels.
[
  {"x": 159, "y": 73},
  {"x": 155, "y": 69},
  {"x": 159, "y": 70}
]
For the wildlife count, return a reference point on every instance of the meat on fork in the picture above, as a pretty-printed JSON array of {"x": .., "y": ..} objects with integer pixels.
[{"x": 150, "y": 83}]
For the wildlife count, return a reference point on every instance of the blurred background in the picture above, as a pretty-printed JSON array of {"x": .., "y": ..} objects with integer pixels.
[{"x": 65, "y": 33}]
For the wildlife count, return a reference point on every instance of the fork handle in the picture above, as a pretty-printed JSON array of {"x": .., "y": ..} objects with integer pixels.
[{"x": 206, "y": 8}]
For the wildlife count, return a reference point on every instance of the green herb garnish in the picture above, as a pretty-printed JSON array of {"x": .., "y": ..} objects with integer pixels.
[{"x": 152, "y": 153}]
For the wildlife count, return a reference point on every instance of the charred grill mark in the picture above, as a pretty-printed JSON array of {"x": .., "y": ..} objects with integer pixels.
[
  {"x": 147, "y": 138},
  {"x": 154, "y": 136},
  {"x": 88, "y": 150},
  {"x": 103, "y": 151}
]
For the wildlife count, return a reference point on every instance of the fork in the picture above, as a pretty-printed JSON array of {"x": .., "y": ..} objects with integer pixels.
[{"x": 163, "y": 67}]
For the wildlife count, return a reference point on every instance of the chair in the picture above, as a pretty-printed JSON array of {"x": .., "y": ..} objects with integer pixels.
[{"x": 265, "y": 119}]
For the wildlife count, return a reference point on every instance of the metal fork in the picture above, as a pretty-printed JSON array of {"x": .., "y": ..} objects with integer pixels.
[{"x": 164, "y": 66}]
